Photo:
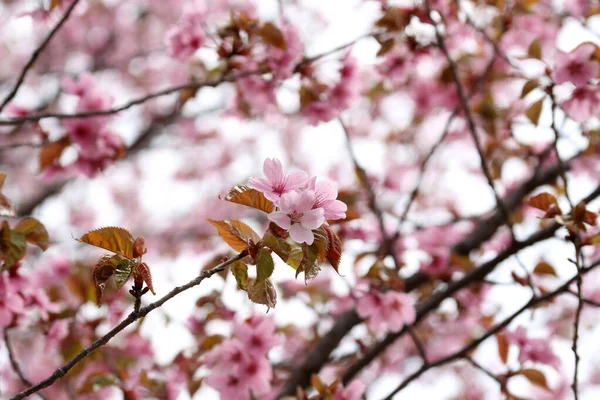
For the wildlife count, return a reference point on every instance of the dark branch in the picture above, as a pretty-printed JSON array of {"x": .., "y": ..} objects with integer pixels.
[{"x": 15, "y": 365}]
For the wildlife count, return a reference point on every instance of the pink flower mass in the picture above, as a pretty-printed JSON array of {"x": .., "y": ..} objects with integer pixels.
[{"x": 299, "y": 199}]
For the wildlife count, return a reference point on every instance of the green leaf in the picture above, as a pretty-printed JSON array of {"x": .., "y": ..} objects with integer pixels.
[
  {"x": 240, "y": 272},
  {"x": 278, "y": 245},
  {"x": 262, "y": 292},
  {"x": 534, "y": 111},
  {"x": 34, "y": 231},
  {"x": 265, "y": 265},
  {"x": 123, "y": 270}
]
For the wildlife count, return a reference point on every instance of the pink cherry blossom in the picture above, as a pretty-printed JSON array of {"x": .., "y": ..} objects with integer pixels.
[
  {"x": 576, "y": 66},
  {"x": 388, "y": 312},
  {"x": 535, "y": 350},
  {"x": 257, "y": 336},
  {"x": 283, "y": 62},
  {"x": 189, "y": 36},
  {"x": 276, "y": 182},
  {"x": 583, "y": 103},
  {"x": 353, "y": 391},
  {"x": 326, "y": 198},
  {"x": 297, "y": 215}
]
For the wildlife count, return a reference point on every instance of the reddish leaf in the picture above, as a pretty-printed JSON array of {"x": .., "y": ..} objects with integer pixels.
[
  {"x": 534, "y": 111},
  {"x": 117, "y": 240},
  {"x": 272, "y": 35},
  {"x": 143, "y": 272},
  {"x": 545, "y": 202},
  {"x": 528, "y": 87},
  {"x": 247, "y": 196},
  {"x": 535, "y": 49},
  {"x": 235, "y": 233},
  {"x": 535, "y": 376},
  {"x": 502, "y": 347},
  {"x": 6, "y": 207},
  {"x": 544, "y": 268},
  {"x": 34, "y": 231},
  {"x": 334, "y": 253},
  {"x": 102, "y": 272},
  {"x": 138, "y": 247},
  {"x": 12, "y": 246},
  {"x": 51, "y": 152}
]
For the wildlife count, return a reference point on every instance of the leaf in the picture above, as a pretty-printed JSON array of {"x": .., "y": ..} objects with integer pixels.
[
  {"x": 318, "y": 384},
  {"x": 545, "y": 202},
  {"x": 502, "y": 347},
  {"x": 278, "y": 245},
  {"x": 12, "y": 246},
  {"x": 262, "y": 292},
  {"x": 265, "y": 265},
  {"x": 102, "y": 272},
  {"x": 115, "y": 239},
  {"x": 240, "y": 272},
  {"x": 544, "y": 268},
  {"x": 142, "y": 272},
  {"x": 334, "y": 252},
  {"x": 97, "y": 381},
  {"x": 533, "y": 111},
  {"x": 34, "y": 231},
  {"x": 235, "y": 233},
  {"x": 535, "y": 376},
  {"x": 247, "y": 196},
  {"x": 309, "y": 263},
  {"x": 6, "y": 207},
  {"x": 51, "y": 152},
  {"x": 535, "y": 49},
  {"x": 185, "y": 95},
  {"x": 211, "y": 341},
  {"x": 528, "y": 87},
  {"x": 123, "y": 271},
  {"x": 272, "y": 35}
]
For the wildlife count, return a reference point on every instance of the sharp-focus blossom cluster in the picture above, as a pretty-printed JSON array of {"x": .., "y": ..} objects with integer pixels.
[
  {"x": 240, "y": 367},
  {"x": 303, "y": 204}
]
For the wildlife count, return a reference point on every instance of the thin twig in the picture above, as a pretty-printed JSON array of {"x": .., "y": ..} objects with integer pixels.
[
  {"x": 575, "y": 384},
  {"x": 15, "y": 365},
  {"x": 134, "y": 316},
  {"x": 485, "y": 370},
  {"x": 36, "y": 54}
]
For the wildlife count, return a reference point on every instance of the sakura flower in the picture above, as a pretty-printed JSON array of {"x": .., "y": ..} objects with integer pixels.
[
  {"x": 535, "y": 350},
  {"x": 388, "y": 312},
  {"x": 583, "y": 103},
  {"x": 84, "y": 84},
  {"x": 576, "y": 66},
  {"x": 230, "y": 386},
  {"x": 353, "y": 391},
  {"x": 189, "y": 36},
  {"x": 277, "y": 183},
  {"x": 257, "y": 336},
  {"x": 326, "y": 195},
  {"x": 282, "y": 62},
  {"x": 297, "y": 215},
  {"x": 257, "y": 374}
]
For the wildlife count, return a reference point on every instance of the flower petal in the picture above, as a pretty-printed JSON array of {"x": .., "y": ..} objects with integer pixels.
[
  {"x": 273, "y": 170},
  {"x": 301, "y": 234},
  {"x": 313, "y": 219},
  {"x": 281, "y": 219}
]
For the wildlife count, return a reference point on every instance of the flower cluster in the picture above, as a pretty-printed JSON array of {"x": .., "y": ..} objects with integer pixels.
[
  {"x": 387, "y": 312},
  {"x": 303, "y": 203},
  {"x": 240, "y": 368},
  {"x": 189, "y": 36},
  {"x": 534, "y": 350}
]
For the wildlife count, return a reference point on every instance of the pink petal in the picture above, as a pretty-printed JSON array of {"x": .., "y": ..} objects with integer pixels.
[
  {"x": 273, "y": 170},
  {"x": 260, "y": 184},
  {"x": 313, "y": 219},
  {"x": 335, "y": 209},
  {"x": 281, "y": 219},
  {"x": 301, "y": 234},
  {"x": 305, "y": 202},
  {"x": 296, "y": 180}
]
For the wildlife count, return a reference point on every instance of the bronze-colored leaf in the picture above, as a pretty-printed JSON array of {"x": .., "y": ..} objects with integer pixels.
[
  {"x": 534, "y": 111},
  {"x": 272, "y": 35},
  {"x": 535, "y": 49},
  {"x": 502, "y": 347},
  {"x": 318, "y": 384},
  {"x": 6, "y": 207},
  {"x": 262, "y": 292},
  {"x": 528, "y": 87},
  {"x": 102, "y": 272},
  {"x": 34, "y": 231},
  {"x": 50, "y": 153},
  {"x": 247, "y": 196},
  {"x": 544, "y": 268},
  {"x": 123, "y": 271},
  {"x": 142, "y": 271},
  {"x": 545, "y": 202},
  {"x": 139, "y": 248},
  {"x": 235, "y": 233},
  {"x": 535, "y": 376},
  {"x": 115, "y": 239},
  {"x": 334, "y": 253}
]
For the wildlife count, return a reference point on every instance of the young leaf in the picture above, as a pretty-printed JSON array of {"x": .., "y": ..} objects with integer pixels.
[
  {"x": 535, "y": 49},
  {"x": 534, "y": 111},
  {"x": 235, "y": 233},
  {"x": 544, "y": 268},
  {"x": 528, "y": 87},
  {"x": 12, "y": 246},
  {"x": 334, "y": 252},
  {"x": 278, "y": 245},
  {"x": 265, "y": 265},
  {"x": 6, "y": 207},
  {"x": 51, "y": 152},
  {"x": 262, "y": 292},
  {"x": 34, "y": 231},
  {"x": 534, "y": 376},
  {"x": 545, "y": 202},
  {"x": 240, "y": 272},
  {"x": 272, "y": 35},
  {"x": 502, "y": 347},
  {"x": 123, "y": 270},
  {"x": 97, "y": 381},
  {"x": 247, "y": 196},
  {"x": 142, "y": 271},
  {"x": 102, "y": 272},
  {"x": 117, "y": 240},
  {"x": 309, "y": 263}
]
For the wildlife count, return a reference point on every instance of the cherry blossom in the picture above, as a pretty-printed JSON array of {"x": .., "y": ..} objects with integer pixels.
[
  {"x": 296, "y": 214},
  {"x": 576, "y": 66},
  {"x": 276, "y": 182}
]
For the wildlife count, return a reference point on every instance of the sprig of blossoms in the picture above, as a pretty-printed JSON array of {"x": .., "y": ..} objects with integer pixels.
[{"x": 303, "y": 204}]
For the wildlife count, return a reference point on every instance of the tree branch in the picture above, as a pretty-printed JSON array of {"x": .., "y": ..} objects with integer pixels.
[
  {"x": 15, "y": 365},
  {"x": 36, "y": 54},
  {"x": 134, "y": 316}
]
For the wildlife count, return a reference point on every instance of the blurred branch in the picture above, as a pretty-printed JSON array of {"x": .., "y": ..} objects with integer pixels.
[
  {"x": 134, "y": 316},
  {"x": 36, "y": 54},
  {"x": 462, "y": 353},
  {"x": 15, "y": 365}
]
